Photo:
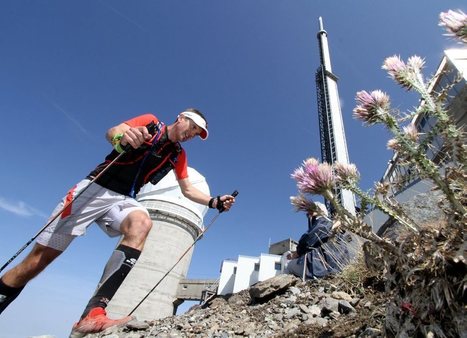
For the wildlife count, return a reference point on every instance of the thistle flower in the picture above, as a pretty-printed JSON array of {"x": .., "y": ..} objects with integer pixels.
[
  {"x": 301, "y": 203},
  {"x": 371, "y": 107},
  {"x": 407, "y": 75},
  {"x": 311, "y": 162},
  {"x": 455, "y": 24},
  {"x": 415, "y": 63},
  {"x": 313, "y": 177},
  {"x": 395, "y": 67},
  {"x": 346, "y": 172},
  {"x": 411, "y": 132},
  {"x": 393, "y": 144},
  {"x": 382, "y": 188}
]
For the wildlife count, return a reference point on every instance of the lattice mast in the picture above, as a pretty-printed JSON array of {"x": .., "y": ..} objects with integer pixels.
[{"x": 331, "y": 126}]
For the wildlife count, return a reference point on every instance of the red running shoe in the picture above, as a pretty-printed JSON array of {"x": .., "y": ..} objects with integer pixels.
[{"x": 96, "y": 321}]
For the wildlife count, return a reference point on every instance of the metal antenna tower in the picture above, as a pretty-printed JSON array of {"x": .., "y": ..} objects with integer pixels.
[{"x": 331, "y": 126}]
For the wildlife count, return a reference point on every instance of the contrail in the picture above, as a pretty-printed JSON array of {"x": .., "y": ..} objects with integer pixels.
[
  {"x": 123, "y": 16},
  {"x": 71, "y": 118},
  {"x": 20, "y": 208}
]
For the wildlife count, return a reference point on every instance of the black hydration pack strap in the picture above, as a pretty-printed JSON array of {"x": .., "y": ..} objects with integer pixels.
[
  {"x": 152, "y": 129},
  {"x": 169, "y": 165}
]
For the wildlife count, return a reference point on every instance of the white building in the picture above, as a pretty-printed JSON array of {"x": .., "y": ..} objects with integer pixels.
[
  {"x": 240, "y": 274},
  {"x": 247, "y": 270}
]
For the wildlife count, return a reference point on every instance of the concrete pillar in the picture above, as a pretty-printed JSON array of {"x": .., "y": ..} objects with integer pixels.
[{"x": 177, "y": 222}]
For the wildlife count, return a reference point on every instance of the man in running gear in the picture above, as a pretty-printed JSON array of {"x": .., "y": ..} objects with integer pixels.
[{"x": 150, "y": 150}]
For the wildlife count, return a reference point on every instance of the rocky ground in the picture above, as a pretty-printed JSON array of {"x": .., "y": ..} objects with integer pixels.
[
  {"x": 280, "y": 307},
  {"x": 420, "y": 291}
]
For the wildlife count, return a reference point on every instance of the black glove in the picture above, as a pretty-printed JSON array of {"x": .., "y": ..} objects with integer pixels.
[{"x": 219, "y": 203}]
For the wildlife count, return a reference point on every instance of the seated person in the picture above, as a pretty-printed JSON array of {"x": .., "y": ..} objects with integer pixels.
[{"x": 316, "y": 256}]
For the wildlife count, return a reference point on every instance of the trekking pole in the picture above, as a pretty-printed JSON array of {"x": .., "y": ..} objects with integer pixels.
[
  {"x": 151, "y": 129},
  {"x": 235, "y": 193},
  {"x": 60, "y": 212}
]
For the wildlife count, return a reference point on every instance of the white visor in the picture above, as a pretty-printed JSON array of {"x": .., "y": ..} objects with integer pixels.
[{"x": 199, "y": 121}]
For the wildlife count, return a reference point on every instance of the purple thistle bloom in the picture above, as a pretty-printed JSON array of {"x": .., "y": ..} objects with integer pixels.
[
  {"x": 371, "y": 106},
  {"x": 411, "y": 132},
  {"x": 310, "y": 162},
  {"x": 393, "y": 144},
  {"x": 455, "y": 24},
  {"x": 404, "y": 74},
  {"x": 313, "y": 177},
  {"x": 415, "y": 63},
  {"x": 382, "y": 188},
  {"x": 301, "y": 203},
  {"x": 394, "y": 66},
  {"x": 346, "y": 172}
]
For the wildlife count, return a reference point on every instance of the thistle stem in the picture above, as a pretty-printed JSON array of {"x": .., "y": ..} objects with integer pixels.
[
  {"x": 353, "y": 224},
  {"x": 424, "y": 165},
  {"x": 383, "y": 207}
]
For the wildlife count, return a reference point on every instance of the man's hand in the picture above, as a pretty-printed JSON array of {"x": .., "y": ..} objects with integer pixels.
[
  {"x": 135, "y": 137},
  {"x": 224, "y": 203},
  {"x": 292, "y": 255}
]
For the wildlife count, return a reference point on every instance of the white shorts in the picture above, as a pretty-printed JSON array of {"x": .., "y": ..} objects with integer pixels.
[{"x": 96, "y": 204}]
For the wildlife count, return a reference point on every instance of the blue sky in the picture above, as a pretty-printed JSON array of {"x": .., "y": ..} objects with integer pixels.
[{"x": 69, "y": 70}]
